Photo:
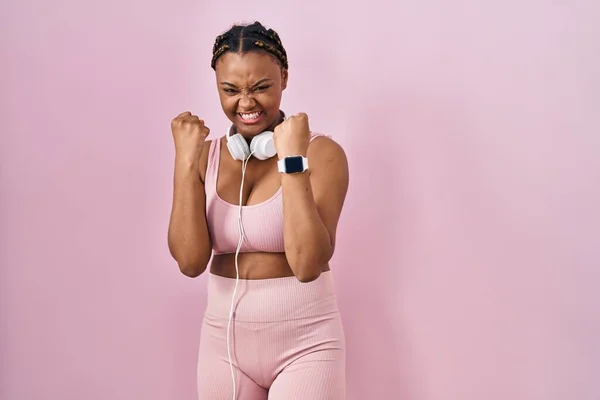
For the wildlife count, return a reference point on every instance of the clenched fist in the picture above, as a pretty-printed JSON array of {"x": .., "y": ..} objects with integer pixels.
[
  {"x": 292, "y": 136},
  {"x": 189, "y": 134}
]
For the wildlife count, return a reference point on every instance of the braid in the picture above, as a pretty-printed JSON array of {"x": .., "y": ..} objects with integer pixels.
[{"x": 244, "y": 38}]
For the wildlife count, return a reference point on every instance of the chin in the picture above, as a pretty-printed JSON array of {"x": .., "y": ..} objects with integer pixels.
[{"x": 248, "y": 131}]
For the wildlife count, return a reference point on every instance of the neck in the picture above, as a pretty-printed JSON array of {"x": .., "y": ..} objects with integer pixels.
[{"x": 277, "y": 121}]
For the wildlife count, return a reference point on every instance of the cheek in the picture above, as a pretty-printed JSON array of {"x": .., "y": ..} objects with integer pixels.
[
  {"x": 228, "y": 102},
  {"x": 269, "y": 100}
]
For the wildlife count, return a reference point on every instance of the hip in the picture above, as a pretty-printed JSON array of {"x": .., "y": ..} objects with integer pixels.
[{"x": 271, "y": 300}]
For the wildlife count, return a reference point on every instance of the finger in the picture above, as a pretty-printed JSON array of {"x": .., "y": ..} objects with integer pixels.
[
  {"x": 192, "y": 118},
  {"x": 183, "y": 115}
]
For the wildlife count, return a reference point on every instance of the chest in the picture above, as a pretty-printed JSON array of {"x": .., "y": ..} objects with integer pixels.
[{"x": 261, "y": 180}]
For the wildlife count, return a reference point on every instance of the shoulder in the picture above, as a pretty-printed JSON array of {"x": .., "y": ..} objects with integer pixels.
[
  {"x": 328, "y": 161},
  {"x": 323, "y": 148}
]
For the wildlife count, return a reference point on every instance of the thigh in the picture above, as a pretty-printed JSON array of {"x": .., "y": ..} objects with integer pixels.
[
  {"x": 217, "y": 384},
  {"x": 317, "y": 376},
  {"x": 214, "y": 378}
]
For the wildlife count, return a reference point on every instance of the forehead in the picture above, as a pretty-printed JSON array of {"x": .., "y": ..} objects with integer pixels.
[{"x": 246, "y": 67}]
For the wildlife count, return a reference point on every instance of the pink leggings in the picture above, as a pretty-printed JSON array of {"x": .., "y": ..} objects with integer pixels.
[{"x": 286, "y": 340}]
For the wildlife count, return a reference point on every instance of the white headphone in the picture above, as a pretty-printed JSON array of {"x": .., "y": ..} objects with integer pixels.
[{"x": 262, "y": 146}]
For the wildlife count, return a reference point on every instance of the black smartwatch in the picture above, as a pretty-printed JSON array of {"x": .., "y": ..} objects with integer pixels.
[{"x": 292, "y": 165}]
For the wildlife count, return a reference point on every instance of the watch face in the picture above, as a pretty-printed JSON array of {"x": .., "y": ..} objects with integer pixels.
[{"x": 294, "y": 165}]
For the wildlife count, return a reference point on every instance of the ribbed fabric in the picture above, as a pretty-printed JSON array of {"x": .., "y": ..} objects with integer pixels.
[
  {"x": 262, "y": 222},
  {"x": 287, "y": 341},
  {"x": 271, "y": 300}
]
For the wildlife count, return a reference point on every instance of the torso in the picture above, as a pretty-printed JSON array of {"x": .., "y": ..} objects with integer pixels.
[{"x": 262, "y": 181}]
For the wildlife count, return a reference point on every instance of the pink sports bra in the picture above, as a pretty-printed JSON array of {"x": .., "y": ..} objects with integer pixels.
[{"x": 262, "y": 222}]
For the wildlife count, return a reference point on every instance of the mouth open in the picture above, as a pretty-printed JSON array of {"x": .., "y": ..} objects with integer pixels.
[{"x": 250, "y": 117}]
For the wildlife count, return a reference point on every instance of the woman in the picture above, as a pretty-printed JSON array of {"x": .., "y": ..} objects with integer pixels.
[{"x": 272, "y": 327}]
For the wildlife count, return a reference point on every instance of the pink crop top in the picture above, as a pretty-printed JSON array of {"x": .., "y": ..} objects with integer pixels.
[{"x": 262, "y": 222}]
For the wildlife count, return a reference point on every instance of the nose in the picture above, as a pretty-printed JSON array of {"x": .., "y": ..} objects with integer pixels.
[{"x": 246, "y": 102}]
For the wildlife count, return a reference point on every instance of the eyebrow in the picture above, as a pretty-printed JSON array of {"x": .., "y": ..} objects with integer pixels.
[{"x": 254, "y": 85}]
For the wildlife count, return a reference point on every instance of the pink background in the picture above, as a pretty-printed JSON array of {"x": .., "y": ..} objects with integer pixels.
[{"x": 467, "y": 265}]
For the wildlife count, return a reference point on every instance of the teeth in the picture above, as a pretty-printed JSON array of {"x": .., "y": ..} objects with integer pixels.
[{"x": 250, "y": 116}]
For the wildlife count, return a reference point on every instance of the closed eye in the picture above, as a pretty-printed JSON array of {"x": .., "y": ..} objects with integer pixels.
[{"x": 257, "y": 89}]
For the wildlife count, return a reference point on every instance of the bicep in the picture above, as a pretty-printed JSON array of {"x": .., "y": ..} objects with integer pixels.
[{"x": 329, "y": 181}]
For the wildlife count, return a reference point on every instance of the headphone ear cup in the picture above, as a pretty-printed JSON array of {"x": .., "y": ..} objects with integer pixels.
[
  {"x": 263, "y": 146},
  {"x": 238, "y": 148}
]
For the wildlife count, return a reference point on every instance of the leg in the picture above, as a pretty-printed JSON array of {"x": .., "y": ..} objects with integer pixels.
[
  {"x": 316, "y": 376},
  {"x": 216, "y": 384},
  {"x": 214, "y": 372}
]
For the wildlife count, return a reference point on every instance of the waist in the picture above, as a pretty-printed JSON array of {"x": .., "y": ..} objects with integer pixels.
[
  {"x": 254, "y": 265},
  {"x": 251, "y": 265},
  {"x": 271, "y": 300}
]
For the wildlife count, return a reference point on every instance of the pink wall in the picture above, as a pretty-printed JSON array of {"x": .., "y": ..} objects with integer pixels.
[{"x": 468, "y": 257}]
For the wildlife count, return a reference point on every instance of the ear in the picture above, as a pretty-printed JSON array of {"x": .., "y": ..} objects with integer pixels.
[{"x": 284, "y": 79}]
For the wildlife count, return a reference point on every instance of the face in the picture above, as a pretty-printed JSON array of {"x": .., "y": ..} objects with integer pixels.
[{"x": 250, "y": 88}]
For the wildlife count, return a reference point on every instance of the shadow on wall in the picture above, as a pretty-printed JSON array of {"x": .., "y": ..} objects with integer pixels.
[{"x": 369, "y": 267}]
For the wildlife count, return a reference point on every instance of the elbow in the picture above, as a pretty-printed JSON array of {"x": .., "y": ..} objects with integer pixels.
[
  {"x": 307, "y": 269},
  {"x": 193, "y": 268},
  {"x": 191, "y": 263},
  {"x": 307, "y": 277},
  {"x": 307, "y": 263}
]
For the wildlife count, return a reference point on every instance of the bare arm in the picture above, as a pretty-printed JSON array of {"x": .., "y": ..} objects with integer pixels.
[
  {"x": 312, "y": 206},
  {"x": 188, "y": 237}
]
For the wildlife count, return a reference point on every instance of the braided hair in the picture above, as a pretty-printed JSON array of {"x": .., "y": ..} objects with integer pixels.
[{"x": 244, "y": 38}]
